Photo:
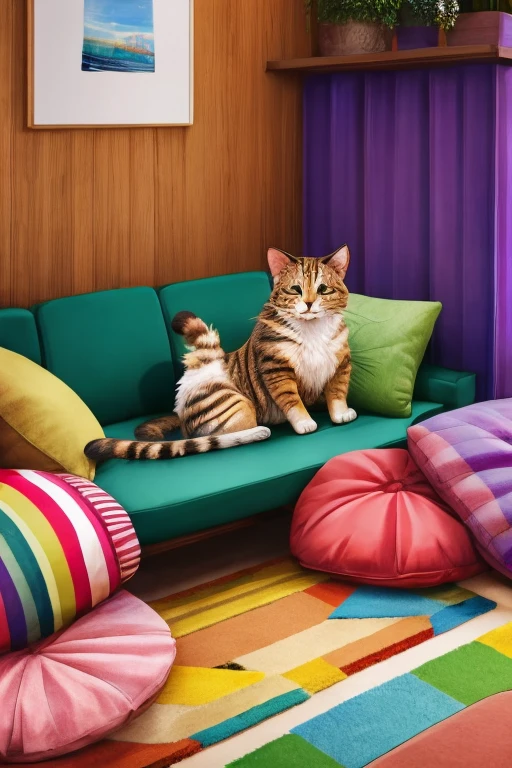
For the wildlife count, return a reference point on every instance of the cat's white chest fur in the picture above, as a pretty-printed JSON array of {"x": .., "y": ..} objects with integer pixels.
[
  {"x": 315, "y": 359},
  {"x": 194, "y": 379}
]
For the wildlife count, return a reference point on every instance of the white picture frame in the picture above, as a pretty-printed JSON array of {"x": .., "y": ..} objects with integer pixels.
[{"x": 61, "y": 95}]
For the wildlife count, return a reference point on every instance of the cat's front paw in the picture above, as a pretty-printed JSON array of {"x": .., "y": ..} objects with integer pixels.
[
  {"x": 304, "y": 426},
  {"x": 342, "y": 415}
]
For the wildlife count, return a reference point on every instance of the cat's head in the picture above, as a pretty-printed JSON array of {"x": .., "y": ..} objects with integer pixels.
[{"x": 308, "y": 288}]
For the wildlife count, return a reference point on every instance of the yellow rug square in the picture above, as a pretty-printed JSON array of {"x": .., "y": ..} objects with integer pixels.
[
  {"x": 315, "y": 675},
  {"x": 193, "y": 686},
  {"x": 500, "y": 639}
]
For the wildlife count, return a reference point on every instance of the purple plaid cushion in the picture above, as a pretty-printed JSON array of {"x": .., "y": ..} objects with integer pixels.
[{"x": 467, "y": 456}]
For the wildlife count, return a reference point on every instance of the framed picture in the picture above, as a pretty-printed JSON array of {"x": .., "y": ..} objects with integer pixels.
[{"x": 110, "y": 63}]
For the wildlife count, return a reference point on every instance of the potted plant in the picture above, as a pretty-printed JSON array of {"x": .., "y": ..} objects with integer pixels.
[
  {"x": 423, "y": 23},
  {"x": 354, "y": 26},
  {"x": 427, "y": 13}
]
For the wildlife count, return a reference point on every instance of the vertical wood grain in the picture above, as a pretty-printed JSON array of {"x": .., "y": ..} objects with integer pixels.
[
  {"x": 96, "y": 209},
  {"x": 6, "y": 55},
  {"x": 82, "y": 211},
  {"x": 141, "y": 256},
  {"x": 112, "y": 219}
]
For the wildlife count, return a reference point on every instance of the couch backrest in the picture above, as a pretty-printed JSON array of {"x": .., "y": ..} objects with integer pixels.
[
  {"x": 231, "y": 303},
  {"x": 18, "y": 332},
  {"x": 112, "y": 349}
]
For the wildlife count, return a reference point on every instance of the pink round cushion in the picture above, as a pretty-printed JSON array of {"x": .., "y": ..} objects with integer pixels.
[
  {"x": 372, "y": 517},
  {"x": 78, "y": 686}
]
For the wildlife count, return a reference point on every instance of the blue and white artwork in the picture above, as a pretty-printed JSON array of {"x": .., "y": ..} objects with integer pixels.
[{"x": 118, "y": 36}]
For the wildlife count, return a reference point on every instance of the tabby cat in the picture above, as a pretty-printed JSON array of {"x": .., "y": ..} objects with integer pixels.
[{"x": 296, "y": 357}]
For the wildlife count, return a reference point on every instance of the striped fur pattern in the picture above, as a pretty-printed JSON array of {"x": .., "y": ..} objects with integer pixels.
[{"x": 297, "y": 357}]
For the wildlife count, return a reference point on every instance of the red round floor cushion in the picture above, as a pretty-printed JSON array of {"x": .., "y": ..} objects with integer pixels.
[
  {"x": 84, "y": 682},
  {"x": 373, "y": 518}
]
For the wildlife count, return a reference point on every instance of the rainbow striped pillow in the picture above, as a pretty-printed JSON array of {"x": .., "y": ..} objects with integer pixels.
[{"x": 65, "y": 545}]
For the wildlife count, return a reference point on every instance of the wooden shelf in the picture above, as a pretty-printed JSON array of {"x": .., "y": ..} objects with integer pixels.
[{"x": 419, "y": 57}]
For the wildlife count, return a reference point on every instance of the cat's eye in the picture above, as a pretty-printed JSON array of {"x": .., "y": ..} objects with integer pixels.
[
  {"x": 324, "y": 289},
  {"x": 296, "y": 289}
]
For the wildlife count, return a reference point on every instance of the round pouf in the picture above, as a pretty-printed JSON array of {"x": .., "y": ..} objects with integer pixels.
[
  {"x": 85, "y": 682},
  {"x": 372, "y": 517}
]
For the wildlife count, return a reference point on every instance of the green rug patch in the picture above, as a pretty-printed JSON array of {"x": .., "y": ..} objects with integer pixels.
[
  {"x": 287, "y": 752},
  {"x": 468, "y": 674}
]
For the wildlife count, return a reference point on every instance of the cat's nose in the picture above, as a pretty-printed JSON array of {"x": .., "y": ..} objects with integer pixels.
[{"x": 308, "y": 304}]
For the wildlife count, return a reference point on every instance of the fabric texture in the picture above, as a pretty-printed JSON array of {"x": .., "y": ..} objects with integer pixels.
[
  {"x": 417, "y": 152},
  {"x": 231, "y": 303},
  {"x": 467, "y": 455},
  {"x": 255, "y": 643},
  {"x": 503, "y": 247},
  {"x": 402, "y": 707},
  {"x": 164, "y": 499},
  {"x": 112, "y": 349},
  {"x": 65, "y": 546},
  {"x": 387, "y": 342},
  {"x": 448, "y": 713},
  {"x": 43, "y": 423},
  {"x": 476, "y": 736},
  {"x": 80, "y": 685},
  {"x": 454, "y": 389},
  {"x": 372, "y": 517},
  {"x": 289, "y": 751},
  {"x": 18, "y": 332}
]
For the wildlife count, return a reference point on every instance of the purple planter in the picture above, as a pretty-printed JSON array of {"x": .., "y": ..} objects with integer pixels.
[{"x": 483, "y": 28}]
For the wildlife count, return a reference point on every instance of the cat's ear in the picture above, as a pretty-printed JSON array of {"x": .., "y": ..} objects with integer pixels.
[
  {"x": 278, "y": 260},
  {"x": 339, "y": 260}
]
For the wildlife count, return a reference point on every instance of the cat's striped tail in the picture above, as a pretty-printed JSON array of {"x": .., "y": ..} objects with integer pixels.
[
  {"x": 110, "y": 448},
  {"x": 196, "y": 332}
]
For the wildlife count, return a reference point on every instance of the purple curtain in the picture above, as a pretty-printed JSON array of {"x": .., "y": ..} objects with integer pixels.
[
  {"x": 503, "y": 250},
  {"x": 401, "y": 166}
]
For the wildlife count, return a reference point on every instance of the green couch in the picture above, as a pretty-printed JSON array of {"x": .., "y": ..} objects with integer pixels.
[{"x": 116, "y": 350}]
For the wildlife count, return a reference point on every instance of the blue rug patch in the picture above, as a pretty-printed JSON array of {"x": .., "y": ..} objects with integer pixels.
[
  {"x": 249, "y": 718},
  {"x": 364, "y": 728},
  {"x": 385, "y": 603},
  {"x": 454, "y": 615}
]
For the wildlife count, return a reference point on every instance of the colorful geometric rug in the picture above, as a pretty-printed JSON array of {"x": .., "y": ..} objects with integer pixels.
[
  {"x": 260, "y": 641},
  {"x": 467, "y": 691}
]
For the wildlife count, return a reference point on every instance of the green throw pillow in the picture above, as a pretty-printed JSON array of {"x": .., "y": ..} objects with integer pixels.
[{"x": 387, "y": 340}]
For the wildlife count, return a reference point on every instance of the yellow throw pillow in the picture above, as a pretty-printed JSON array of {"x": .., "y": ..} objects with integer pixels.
[{"x": 44, "y": 425}]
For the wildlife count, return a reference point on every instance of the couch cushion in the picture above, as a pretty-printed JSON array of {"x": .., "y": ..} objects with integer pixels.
[
  {"x": 373, "y": 518},
  {"x": 166, "y": 499},
  {"x": 230, "y": 303},
  {"x": 18, "y": 333},
  {"x": 43, "y": 424},
  {"x": 467, "y": 456},
  {"x": 112, "y": 349},
  {"x": 387, "y": 339}
]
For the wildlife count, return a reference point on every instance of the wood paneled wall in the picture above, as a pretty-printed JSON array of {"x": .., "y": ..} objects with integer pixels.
[{"x": 96, "y": 209}]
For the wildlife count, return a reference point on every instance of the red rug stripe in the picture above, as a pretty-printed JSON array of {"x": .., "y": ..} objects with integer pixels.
[
  {"x": 122, "y": 754},
  {"x": 387, "y": 653}
]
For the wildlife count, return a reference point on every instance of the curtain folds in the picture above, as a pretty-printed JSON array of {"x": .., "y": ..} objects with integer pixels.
[
  {"x": 401, "y": 166},
  {"x": 503, "y": 249}
]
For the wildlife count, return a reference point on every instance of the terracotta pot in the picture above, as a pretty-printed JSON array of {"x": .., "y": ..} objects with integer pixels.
[{"x": 354, "y": 37}]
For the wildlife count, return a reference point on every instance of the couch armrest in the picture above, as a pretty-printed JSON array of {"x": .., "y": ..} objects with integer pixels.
[{"x": 454, "y": 389}]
